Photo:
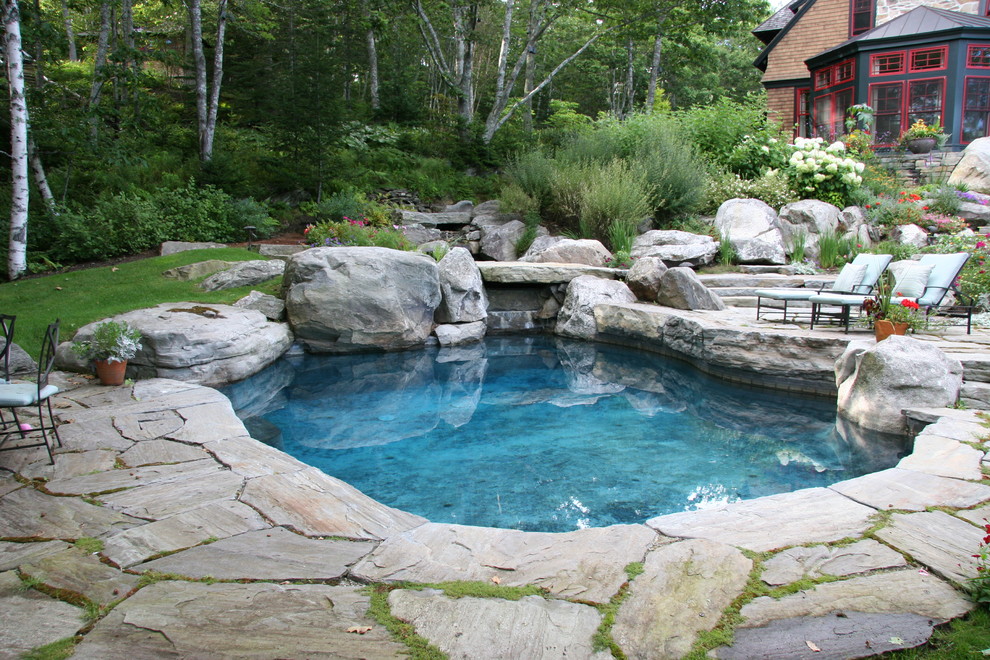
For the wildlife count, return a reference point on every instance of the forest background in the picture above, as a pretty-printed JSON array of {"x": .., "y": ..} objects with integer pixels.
[{"x": 148, "y": 121}]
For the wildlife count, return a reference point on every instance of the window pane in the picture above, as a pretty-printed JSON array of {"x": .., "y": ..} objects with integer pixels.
[
  {"x": 889, "y": 63},
  {"x": 927, "y": 59},
  {"x": 925, "y": 101},
  {"x": 843, "y": 100},
  {"x": 977, "y": 104},
  {"x": 979, "y": 57},
  {"x": 886, "y": 99},
  {"x": 823, "y": 116}
]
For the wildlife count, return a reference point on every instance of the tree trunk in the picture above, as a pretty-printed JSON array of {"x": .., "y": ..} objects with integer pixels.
[
  {"x": 651, "y": 89},
  {"x": 372, "y": 57},
  {"x": 199, "y": 61},
  {"x": 17, "y": 249},
  {"x": 206, "y": 140},
  {"x": 459, "y": 76},
  {"x": 630, "y": 96},
  {"x": 70, "y": 35},
  {"x": 40, "y": 178},
  {"x": 99, "y": 66}
]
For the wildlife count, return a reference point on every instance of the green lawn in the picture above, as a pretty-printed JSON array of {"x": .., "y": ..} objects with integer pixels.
[{"x": 84, "y": 296}]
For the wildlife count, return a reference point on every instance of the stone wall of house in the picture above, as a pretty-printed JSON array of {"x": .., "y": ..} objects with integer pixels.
[
  {"x": 920, "y": 169},
  {"x": 889, "y": 9}
]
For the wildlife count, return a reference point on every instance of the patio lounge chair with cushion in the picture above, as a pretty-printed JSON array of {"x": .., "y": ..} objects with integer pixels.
[
  {"x": 926, "y": 281},
  {"x": 22, "y": 395},
  {"x": 858, "y": 277}
]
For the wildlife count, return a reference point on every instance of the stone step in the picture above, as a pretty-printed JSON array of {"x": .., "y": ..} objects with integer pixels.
[
  {"x": 768, "y": 281},
  {"x": 975, "y": 395}
]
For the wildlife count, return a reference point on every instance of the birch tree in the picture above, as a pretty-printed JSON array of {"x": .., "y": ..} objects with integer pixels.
[
  {"x": 14, "y": 61},
  {"x": 207, "y": 95},
  {"x": 70, "y": 34},
  {"x": 372, "y": 44}
]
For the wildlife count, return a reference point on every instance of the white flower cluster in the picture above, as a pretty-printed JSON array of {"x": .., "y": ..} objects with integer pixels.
[{"x": 821, "y": 163}]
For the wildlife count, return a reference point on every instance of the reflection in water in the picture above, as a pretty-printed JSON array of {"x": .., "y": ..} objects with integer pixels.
[{"x": 548, "y": 434}]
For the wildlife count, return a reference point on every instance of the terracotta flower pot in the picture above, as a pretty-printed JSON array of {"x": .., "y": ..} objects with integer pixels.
[
  {"x": 920, "y": 145},
  {"x": 111, "y": 373},
  {"x": 883, "y": 329}
]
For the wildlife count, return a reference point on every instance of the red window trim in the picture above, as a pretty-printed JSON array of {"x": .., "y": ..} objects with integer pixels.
[
  {"x": 900, "y": 71},
  {"x": 907, "y": 90},
  {"x": 852, "y": 18},
  {"x": 818, "y": 73},
  {"x": 869, "y": 99},
  {"x": 852, "y": 71},
  {"x": 945, "y": 59},
  {"x": 969, "y": 56},
  {"x": 838, "y": 116},
  {"x": 962, "y": 110}
]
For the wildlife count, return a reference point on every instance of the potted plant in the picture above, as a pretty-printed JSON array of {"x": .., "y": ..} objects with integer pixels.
[
  {"x": 889, "y": 317},
  {"x": 111, "y": 345},
  {"x": 922, "y": 138}
]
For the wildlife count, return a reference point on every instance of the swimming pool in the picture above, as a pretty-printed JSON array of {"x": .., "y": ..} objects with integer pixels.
[{"x": 546, "y": 434}]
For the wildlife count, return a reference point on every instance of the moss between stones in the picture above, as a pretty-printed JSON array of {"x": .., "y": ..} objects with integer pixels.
[
  {"x": 63, "y": 648},
  {"x": 405, "y": 633}
]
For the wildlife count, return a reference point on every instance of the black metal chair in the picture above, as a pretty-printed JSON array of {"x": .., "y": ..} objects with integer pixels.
[
  {"x": 7, "y": 330},
  {"x": 23, "y": 395}
]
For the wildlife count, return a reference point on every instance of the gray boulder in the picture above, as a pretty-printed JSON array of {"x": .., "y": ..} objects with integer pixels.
[
  {"x": 910, "y": 235},
  {"x": 577, "y": 316},
  {"x": 973, "y": 170},
  {"x": 643, "y": 278},
  {"x": 417, "y": 234},
  {"x": 553, "y": 249},
  {"x": 464, "y": 299},
  {"x": 273, "y": 308},
  {"x": 434, "y": 219},
  {"x": 244, "y": 273},
  {"x": 810, "y": 217},
  {"x": 491, "y": 207},
  {"x": 173, "y": 247},
  {"x": 204, "y": 344},
  {"x": 498, "y": 242},
  {"x": 676, "y": 248},
  {"x": 463, "y": 206},
  {"x": 19, "y": 362},
  {"x": 196, "y": 270},
  {"x": 455, "y": 334},
  {"x": 878, "y": 381},
  {"x": 753, "y": 229},
  {"x": 680, "y": 288},
  {"x": 341, "y": 300}
]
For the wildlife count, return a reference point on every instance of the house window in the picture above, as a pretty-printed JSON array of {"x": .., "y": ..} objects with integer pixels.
[
  {"x": 976, "y": 108},
  {"x": 881, "y": 65},
  {"x": 929, "y": 59},
  {"x": 978, "y": 57},
  {"x": 802, "y": 115},
  {"x": 844, "y": 71},
  {"x": 830, "y": 113},
  {"x": 862, "y": 17},
  {"x": 823, "y": 78},
  {"x": 925, "y": 101},
  {"x": 823, "y": 116},
  {"x": 886, "y": 102}
]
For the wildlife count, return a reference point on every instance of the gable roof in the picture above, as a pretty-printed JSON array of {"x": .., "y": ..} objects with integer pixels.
[
  {"x": 797, "y": 9},
  {"x": 920, "y": 21}
]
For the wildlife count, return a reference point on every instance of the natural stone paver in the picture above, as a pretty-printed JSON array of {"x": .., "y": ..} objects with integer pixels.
[
  {"x": 943, "y": 457},
  {"x": 80, "y": 434},
  {"x": 148, "y": 425},
  {"x": 316, "y": 504},
  {"x": 586, "y": 564},
  {"x": 31, "y": 619},
  {"x": 8, "y": 484},
  {"x": 249, "y": 458},
  {"x": 13, "y": 555},
  {"x": 109, "y": 480},
  {"x": 75, "y": 571},
  {"x": 907, "y": 590},
  {"x": 78, "y": 463},
  {"x": 958, "y": 429},
  {"x": 270, "y": 554},
  {"x": 26, "y": 513},
  {"x": 836, "y": 637},
  {"x": 531, "y": 627},
  {"x": 213, "y": 421},
  {"x": 153, "y": 452},
  {"x": 863, "y": 556},
  {"x": 912, "y": 491},
  {"x": 183, "y": 530},
  {"x": 190, "y": 620},
  {"x": 813, "y": 515},
  {"x": 941, "y": 542},
  {"x": 161, "y": 500},
  {"x": 978, "y": 516},
  {"x": 682, "y": 591}
]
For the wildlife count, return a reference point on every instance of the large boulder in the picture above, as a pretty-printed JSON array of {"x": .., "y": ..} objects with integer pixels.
[
  {"x": 464, "y": 299},
  {"x": 577, "y": 317},
  {"x": 810, "y": 217},
  {"x": 910, "y": 235},
  {"x": 878, "y": 381},
  {"x": 676, "y": 248},
  {"x": 680, "y": 288},
  {"x": 193, "y": 342},
  {"x": 19, "y": 362},
  {"x": 554, "y": 249},
  {"x": 418, "y": 234},
  {"x": 498, "y": 242},
  {"x": 244, "y": 273},
  {"x": 644, "y": 277},
  {"x": 753, "y": 229},
  {"x": 270, "y": 306},
  {"x": 857, "y": 226},
  {"x": 342, "y": 300},
  {"x": 973, "y": 170}
]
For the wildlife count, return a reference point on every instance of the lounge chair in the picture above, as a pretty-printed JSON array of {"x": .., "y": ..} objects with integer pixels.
[
  {"x": 929, "y": 293},
  {"x": 858, "y": 277}
]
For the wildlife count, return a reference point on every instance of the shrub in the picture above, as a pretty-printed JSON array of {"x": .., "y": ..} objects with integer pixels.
[
  {"x": 613, "y": 201},
  {"x": 350, "y": 232},
  {"x": 974, "y": 281},
  {"x": 533, "y": 173},
  {"x": 891, "y": 212},
  {"x": 716, "y": 129},
  {"x": 944, "y": 201},
  {"x": 798, "y": 245},
  {"x": 899, "y": 251},
  {"x": 727, "y": 254},
  {"x": 832, "y": 249},
  {"x": 823, "y": 172},
  {"x": 771, "y": 188}
]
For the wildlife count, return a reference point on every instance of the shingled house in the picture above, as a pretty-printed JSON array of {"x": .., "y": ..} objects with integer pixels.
[{"x": 907, "y": 59}]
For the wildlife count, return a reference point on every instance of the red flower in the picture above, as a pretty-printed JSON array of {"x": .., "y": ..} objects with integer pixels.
[{"x": 910, "y": 304}]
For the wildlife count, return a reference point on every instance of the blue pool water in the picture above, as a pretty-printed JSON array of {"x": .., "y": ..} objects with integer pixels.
[{"x": 539, "y": 433}]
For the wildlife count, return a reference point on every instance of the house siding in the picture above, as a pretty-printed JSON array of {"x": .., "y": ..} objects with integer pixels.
[
  {"x": 825, "y": 25},
  {"x": 780, "y": 105}
]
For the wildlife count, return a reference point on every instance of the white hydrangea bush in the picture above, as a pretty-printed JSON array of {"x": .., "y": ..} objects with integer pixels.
[{"x": 823, "y": 172}]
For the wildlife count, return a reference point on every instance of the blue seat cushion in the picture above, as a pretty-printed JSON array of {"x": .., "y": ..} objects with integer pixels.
[
  {"x": 24, "y": 394},
  {"x": 786, "y": 294}
]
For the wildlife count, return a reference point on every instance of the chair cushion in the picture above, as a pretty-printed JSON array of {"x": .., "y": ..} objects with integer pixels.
[
  {"x": 849, "y": 277},
  {"x": 23, "y": 394},
  {"x": 912, "y": 280},
  {"x": 848, "y": 299},
  {"x": 786, "y": 294}
]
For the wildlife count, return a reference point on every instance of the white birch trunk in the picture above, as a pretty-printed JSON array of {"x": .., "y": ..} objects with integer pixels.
[
  {"x": 14, "y": 59},
  {"x": 630, "y": 96},
  {"x": 372, "y": 58},
  {"x": 99, "y": 65},
  {"x": 206, "y": 141},
  {"x": 199, "y": 61},
  {"x": 651, "y": 89},
  {"x": 40, "y": 178},
  {"x": 70, "y": 35}
]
